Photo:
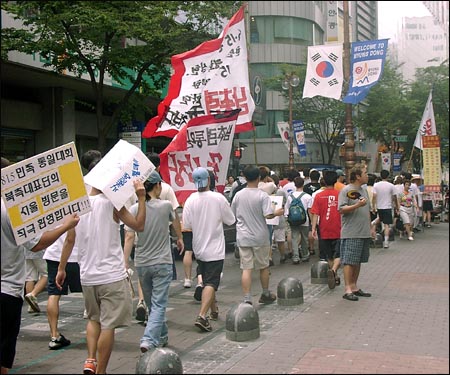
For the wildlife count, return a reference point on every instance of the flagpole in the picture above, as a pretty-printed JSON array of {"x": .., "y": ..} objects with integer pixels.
[{"x": 349, "y": 145}]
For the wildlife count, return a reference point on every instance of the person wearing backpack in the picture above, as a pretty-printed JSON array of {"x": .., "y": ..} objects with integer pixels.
[{"x": 296, "y": 213}]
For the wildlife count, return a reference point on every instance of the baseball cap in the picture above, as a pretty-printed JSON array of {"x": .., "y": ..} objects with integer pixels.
[
  {"x": 200, "y": 177},
  {"x": 154, "y": 178},
  {"x": 340, "y": 172}
]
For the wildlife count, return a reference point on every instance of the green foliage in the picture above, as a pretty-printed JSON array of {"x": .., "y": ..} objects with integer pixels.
[
  {"x": 324, "y": 117},
  {"x": 126, "y": 39}
]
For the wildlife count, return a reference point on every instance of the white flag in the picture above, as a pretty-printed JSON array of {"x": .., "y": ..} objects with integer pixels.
[
  {"x": 386, "y": 161},
  {"x": 324, "y": 73},
  {"x": 427, "y": 124},
  {"x": 283, "y": 128}
]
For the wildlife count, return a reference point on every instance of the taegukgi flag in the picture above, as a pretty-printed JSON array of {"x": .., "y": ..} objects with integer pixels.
[
  {"x": 206, "y": 141},
  {"x": 324, "y": 73},
  {"x": 427, "y": 124},
  {"x": 366, "y": 67},
  {"x": 283, "y": 129},
  {"x": 211, "y": 78}
]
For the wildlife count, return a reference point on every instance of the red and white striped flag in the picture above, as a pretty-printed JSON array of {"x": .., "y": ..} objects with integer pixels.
[{"x": 324, "y": 73}]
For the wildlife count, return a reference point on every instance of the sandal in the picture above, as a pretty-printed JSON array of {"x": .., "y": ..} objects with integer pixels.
[
  {"x": 331, "y": 278},
  {"x": 360, "y": 293},
  {"x": 350, "y": 297},
  {"x": 338, "y": 280}
]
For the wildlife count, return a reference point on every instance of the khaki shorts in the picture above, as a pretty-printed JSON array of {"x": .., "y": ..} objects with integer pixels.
[
  {"x": 36, "y": 268},
  {"x": 256, "y": 257},
  {"x": 110, "y": 304}
]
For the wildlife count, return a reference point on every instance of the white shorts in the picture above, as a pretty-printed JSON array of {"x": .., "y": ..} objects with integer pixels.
[{"x": 36, "y": 268}]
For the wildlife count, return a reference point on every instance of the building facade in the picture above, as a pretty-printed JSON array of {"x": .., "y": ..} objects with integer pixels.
[{"x": 280, "y": 32}]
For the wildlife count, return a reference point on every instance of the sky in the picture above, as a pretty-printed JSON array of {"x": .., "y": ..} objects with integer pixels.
[{"x": 390, "y": 14}]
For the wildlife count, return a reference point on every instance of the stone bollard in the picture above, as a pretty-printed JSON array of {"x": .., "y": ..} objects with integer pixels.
[
  {"x": 159, "y": 361},
  {"x": 242, "y": 323},
  {"x": 319, "y": 272},
  {"x": 290, "y": 292}
]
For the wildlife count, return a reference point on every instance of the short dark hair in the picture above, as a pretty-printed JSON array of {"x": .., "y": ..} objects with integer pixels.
[
  {"x": 330, "y": 177},
  {"x": 384, "y": 174},
  {"x": 314, "y": 175},
  {"x": 5, "y": 162},
  {"x": 291, "y": 174},
  {"x": 154, "y": 158},
  {"x": 90, "y": 159},
  {"x": 299, "y": 182},
  {"x": 251, "y": 173}
]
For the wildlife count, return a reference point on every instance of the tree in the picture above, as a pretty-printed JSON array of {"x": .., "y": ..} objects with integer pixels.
[
  {"x": 125, "y": 39},
  {"x": 324, "y": 117}
]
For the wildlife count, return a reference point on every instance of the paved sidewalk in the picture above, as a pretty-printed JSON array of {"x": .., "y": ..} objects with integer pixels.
[{"x": 403, "y": 328}]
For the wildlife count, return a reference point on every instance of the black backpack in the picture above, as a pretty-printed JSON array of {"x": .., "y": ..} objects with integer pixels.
[{"x": 238, "y": 188}]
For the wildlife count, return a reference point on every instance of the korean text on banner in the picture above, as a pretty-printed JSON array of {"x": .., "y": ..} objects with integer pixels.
[
  {"x": 209, "y": 79},
  {"x": 324, "y": 73},
  {"x": 299, "y": 136},
  {"x": 115, "y": 173},
  {"x": 366, "y": 66},
  {"x": 39, "y": 192},
  {"x": 427, "y": 123},
  {"x": 206, "y": 141},
  {"x": 283, "y": 129},
  {"x": 431, "y": 163}
]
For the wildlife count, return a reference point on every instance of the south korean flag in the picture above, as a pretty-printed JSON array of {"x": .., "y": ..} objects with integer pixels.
[{"x": 324, "y": 73}]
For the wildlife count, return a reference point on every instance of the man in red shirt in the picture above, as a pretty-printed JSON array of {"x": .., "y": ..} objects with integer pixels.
[{"x": 325, "y": 207}]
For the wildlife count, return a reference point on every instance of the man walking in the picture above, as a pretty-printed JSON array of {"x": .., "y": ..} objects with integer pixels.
[
  {"x": 355, "y": 230},
  {"x": 252, "y": 207},
  {"x": 383, "y": 197},
  {"x": 204, "y": 213}
]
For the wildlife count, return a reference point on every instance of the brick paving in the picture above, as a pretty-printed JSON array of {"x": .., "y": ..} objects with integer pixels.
[{"x": 402, "y": 328}]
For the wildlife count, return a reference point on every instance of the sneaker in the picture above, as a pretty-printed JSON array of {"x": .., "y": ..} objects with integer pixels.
[
  {"x": 187, "y": 283},
  {"x": 141, "y": 311},
  {"x": 267, "y": 299},
  {"x": 198, "y": 292},
  {"x": 90, "y": 366},
  {"x": 411, "y": 238},
  {"x": 386, "y": 245},
  {"x": 295, "y": 260},
  {"x": 58, "y": 343},
  {"x": 428, "y": 225},
  {"x": 30, "y": 309},
  {"x": 214, "y": 314},
  {"x": 331, "y": 279},
  {"x": 203, "y": 324},
  {"x": 33, "y": 302},
  {"x": 163, "y": 342},
  {"x": 85, "y": 315}
]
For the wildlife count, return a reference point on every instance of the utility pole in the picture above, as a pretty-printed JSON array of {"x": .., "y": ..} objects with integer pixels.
[{"x": 349, "y": 145}]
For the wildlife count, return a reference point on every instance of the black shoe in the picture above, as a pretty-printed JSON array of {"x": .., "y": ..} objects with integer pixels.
[
  {"x": 57, "y": 343},
  {"x": 360, "y": 293},
  {"x": 350, "y": 297},
  {"x": 198, "y": 292},
  {"x": 203, "y": 324},
  {"x": 267, "y": 299}
]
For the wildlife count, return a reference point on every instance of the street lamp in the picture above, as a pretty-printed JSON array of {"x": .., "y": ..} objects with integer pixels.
[{"x": 290, "y": 81}]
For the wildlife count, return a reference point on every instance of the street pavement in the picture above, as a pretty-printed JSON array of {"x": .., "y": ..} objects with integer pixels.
[{"x": 403, "y": 328}]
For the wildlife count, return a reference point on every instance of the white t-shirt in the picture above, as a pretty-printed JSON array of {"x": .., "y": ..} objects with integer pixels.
[
  {"x": 289, "y": 187},
  {"x": 53, "y": 252},
  {"x": 306, "y": 201},
  {"x": 100, "y": 253},
  {"x": 205, "y": 213},
  {"x": 384, "y": 192}
]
